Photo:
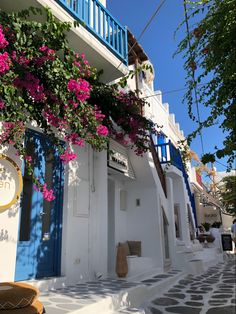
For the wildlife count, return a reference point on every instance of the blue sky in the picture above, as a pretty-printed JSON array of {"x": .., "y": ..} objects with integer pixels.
[{"x": 159, "y": 44}]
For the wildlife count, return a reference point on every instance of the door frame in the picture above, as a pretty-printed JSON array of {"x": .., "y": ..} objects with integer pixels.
[
  {"x": 58, "y": 211},
  {"x": 166, "y": 261}
]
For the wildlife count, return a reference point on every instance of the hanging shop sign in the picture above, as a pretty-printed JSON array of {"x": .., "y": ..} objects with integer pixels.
[
  {"x": 118, "y": 159},
  {"x": 214, "y": 215},
  {"x": 10, "y": 182}
]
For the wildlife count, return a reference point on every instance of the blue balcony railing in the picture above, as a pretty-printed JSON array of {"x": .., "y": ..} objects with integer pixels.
[
  {"x": 98, "y": 20},
  {"x": 168, "y": 153}
]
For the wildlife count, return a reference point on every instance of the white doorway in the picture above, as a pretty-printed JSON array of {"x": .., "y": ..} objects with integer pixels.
[{"x": 166, "y": 247}]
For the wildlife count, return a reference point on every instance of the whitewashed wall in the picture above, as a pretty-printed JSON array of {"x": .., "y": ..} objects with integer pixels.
[
  {"x": 141, "y": 222},
  {"x": 84, "y": 241},
  {"x": 9, "y": 221}
]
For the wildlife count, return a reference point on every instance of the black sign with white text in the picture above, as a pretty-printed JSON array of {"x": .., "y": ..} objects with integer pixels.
[{"x": 226, "y": 240}]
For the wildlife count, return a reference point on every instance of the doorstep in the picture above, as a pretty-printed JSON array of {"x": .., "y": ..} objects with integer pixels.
[
  {"x": 48, "y": 283},
  {"x": 106, "y": 296}
]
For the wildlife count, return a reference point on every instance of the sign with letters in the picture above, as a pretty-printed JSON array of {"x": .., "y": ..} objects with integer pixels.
[
  {"x": 10, "y": 182},
  {"x": 226, "y": 240}
]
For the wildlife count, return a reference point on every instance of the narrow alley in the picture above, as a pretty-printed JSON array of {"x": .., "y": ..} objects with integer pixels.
[{"x": 213, "y": 292}]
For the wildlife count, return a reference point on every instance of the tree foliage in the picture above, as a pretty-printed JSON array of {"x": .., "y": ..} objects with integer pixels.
[
  {"x": 228, "y": 194},
  {"x": 209, "y": 50}
]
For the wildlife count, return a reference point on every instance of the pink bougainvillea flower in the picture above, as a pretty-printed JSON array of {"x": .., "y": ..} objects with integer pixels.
[
  {"x": 68, "y": 156},
  {"x": 5, "y": 62},
  {"x": 3, "y": 41},
  {"x": 48, "y": 54},
  {"x": 98, "y": 114},
  {"x": 48, "y": 194},
  {"x": 2, "y": 105},
  {"x": 102, "y": 130},
  {"x": 32, "y": 85},
  {"x": 28, "y": 158},
  {"x": 80, "y": 88}
]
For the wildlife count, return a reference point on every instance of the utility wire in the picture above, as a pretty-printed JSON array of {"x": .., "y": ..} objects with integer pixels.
[
  {"x": 169, "y": 91},
  {"x": 193, "y": 75},
  {"x": 147, "y": 25},
  {"x": 221, "y": 163},
  {"x": 144, "y": 30}
]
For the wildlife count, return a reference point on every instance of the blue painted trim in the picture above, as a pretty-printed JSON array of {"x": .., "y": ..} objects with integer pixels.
[
  {"x": 57, "y": 212},
  {"x": 123, "y": 55},
  {"x": 59, "y": 199},
  {"x": 176, "y": 160}
]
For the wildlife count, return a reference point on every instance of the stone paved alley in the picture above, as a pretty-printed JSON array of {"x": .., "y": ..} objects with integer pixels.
[{"x": 213, "y": 292}]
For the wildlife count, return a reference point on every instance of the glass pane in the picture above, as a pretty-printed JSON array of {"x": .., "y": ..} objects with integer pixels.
[
  {"x": 47, "y": 206},
  {"x": 27, "y": 197}
]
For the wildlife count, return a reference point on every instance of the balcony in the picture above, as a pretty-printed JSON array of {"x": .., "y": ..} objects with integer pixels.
[
  {"x": 99, "y": 21},
  {"x": 99, "y": 35},
  {"x": 169, "y": 154}
]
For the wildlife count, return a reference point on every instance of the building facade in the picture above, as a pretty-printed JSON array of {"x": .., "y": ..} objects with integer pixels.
[{"x": 101, "y": 199}]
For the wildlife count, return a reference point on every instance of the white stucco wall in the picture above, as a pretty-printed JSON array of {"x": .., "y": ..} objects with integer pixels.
[
  {"x": 85, "y": 217},
  {"x": 141, "y": 222},
  {"x": 9, "y": 221},
  {"x": 181, "y": 199},
  {"x": 144, "y": 221}
]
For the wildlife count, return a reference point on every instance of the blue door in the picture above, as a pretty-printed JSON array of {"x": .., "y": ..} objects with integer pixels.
[
  {"x": 161, "y": 139},
  {"x": 40, "y": 227}
]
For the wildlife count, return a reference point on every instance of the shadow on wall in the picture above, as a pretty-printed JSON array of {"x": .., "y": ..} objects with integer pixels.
[{"x": 39, "y": 239}]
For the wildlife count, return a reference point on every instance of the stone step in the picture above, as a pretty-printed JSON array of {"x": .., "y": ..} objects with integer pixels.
[
  {"x": 129, "y": 311},
  {"x": 108, "y": 296}
]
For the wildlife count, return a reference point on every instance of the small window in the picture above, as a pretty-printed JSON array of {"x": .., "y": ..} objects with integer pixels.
[
  {"x": 26, "y": 201},
  {"x": 47, "y": 206},
  {"x": 123, "y": 200}
]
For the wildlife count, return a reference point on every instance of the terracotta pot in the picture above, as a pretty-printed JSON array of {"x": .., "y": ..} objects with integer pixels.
[
  {"x": 210, "y": 238},
  {"x": 201, "y": 238},
  {"x": 121, "y": 261}
]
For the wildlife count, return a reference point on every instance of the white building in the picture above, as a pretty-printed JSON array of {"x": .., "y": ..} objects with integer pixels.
[
  {"x": 208, "y": 207},
  {"x": 101, "y": 200},
  {"x": 69, "y": 241},
  {"x": 178, "y": 207}
]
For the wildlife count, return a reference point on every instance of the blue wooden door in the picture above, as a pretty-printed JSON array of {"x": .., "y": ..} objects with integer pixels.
[
  {"x": 39, "y": 241},
  {"x": 161, "y": 139}
]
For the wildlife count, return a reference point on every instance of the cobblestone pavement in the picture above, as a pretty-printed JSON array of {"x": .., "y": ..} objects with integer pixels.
[
  {"x": 213, "y": 292},
  {"x": 70, "y": 298}
]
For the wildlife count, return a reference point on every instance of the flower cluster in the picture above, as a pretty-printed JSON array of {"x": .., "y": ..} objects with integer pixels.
[
  {"x": 48, "y": 54},
  {"x": 68, "y": 156},
  {"x": 3, "y": 41},
  {"x": 80, "y": 88},
  {"x": 32, "y": 85},
  {"x": 12, "y": 132},
  {"x": 47, "y": 193},
  {"x": 102, "y": 130},
  {"x": 56, "y": 88},
  {"x": 5, "y": 62}
]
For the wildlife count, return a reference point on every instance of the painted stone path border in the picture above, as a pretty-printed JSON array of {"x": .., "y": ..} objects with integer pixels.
[{"x": 213, "y": 292}]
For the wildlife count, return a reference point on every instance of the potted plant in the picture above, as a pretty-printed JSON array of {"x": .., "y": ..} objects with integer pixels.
[{"x": 206, "y": 226}]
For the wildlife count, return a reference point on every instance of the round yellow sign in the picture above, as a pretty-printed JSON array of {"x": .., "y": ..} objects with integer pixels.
[{"x": 11, "y": 182}]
